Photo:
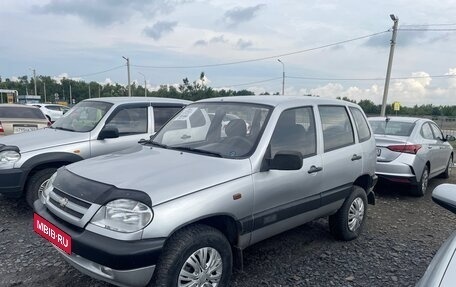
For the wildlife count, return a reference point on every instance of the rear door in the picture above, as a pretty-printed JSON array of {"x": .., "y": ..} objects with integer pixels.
[
  {"x": 364, "y": 135},
  {"x": 342, "y": 158}
]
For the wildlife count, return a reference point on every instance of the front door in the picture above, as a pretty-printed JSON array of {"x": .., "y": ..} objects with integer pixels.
[
  {"x": 282, "y": 198},
  {"x": 133, "y": 124}
]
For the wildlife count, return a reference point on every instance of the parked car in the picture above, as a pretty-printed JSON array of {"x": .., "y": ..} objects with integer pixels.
[
  {"x": 411, "y": 151},
  {"x": 442, "y": 270},
  {"x": 179, "y": 210},
  {"x": 92, "y": 127},
  {"x": 52, "y": 111},
  {"x": 16, "y": 119}
]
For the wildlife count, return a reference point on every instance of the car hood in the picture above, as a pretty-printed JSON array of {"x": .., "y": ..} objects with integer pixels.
[
  {"x": 163, "y": 174},
  {"x": 43, "y": 138}
]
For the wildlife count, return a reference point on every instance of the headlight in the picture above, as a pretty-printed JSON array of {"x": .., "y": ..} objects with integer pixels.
[
  {"x": 9, "y": 156},
  {"x": 123, "y": 215},
  {"x": 47, "y": 188}
]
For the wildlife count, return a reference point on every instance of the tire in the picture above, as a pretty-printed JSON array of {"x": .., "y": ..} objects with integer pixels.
[
  {"x": 340, "y": 224},
  {"x": 447, "y": 172},
  {"x": 420, "y": 188},
  {"x": 36, "y": 181},
  {"x": 186, "y": 243}
]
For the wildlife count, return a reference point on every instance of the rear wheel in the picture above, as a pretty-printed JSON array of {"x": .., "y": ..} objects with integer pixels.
[
  {"x": 348, "y": 222},
  {"x": 36, "y": 184},
  {"x": 447, "y": 172},
  {"x": 197, "y": 255},
  {"x": 420, "y": 188}
]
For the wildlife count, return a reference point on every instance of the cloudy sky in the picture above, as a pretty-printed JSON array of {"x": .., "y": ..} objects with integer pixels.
[{"x": 168, "y": 40}]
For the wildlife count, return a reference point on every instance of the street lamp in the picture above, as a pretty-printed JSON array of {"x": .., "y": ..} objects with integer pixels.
[
  {"x": 283, "y": 76},
  {"x": 145, "y": 84}
]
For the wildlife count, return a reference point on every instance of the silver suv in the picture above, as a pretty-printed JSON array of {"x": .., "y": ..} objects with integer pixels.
[
  {"x": 179, "y": 210},
  {"x": 92, "y": 127}
]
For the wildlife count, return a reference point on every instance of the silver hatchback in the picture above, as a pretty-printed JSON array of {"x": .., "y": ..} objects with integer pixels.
[{"x": 411, "y": 150}]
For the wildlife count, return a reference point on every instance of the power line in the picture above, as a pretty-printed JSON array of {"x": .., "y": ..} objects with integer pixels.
[
  {"x": 100, "y": 72},
  {"x": 427, "y": 25},
  {"x": 250, "y": 83},
  {"x": 426, "y": 30},
  {"x": 370, "y": 79},
  {"x": 263, "y": 58}
]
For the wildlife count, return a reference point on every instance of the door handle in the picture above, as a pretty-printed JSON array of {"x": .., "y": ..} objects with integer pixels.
[
  {"x": 429, "y": 147},
  {"x": 314, "y": 169},
  {"x": 356, "y": 157},
  {"x": 184, "y": 137}
]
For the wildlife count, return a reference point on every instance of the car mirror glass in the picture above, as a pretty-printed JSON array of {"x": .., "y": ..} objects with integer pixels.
[
  {"x": 445, "y": 196},
  {"x": 286, "y": 161}
]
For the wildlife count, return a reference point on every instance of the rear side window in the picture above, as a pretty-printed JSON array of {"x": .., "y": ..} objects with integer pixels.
[
  {"x": 361, "y": 125},
  {"x": 163, "y": 114},
  {"x": 54, "y": 108},
  {"x": 336, "y": 126},
  {"x": 21, "y": 113}
]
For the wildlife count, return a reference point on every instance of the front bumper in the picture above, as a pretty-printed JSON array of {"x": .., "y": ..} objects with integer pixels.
[
  {"x": 133, "y": 277},
  {"x": 12, "y": 182},
  {"x": 123, "y": 263}
]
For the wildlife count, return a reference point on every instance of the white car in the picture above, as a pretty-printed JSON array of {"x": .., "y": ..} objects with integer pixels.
[{"x": 52, "y": 111}]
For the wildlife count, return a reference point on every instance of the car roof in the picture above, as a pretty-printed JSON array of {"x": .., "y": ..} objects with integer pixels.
[
  {"x": 19, "y": 105},
  {"x": 122, "y": 100},
  {"x": 397, "y": 119},
  {"x": 278, "y": 100}
]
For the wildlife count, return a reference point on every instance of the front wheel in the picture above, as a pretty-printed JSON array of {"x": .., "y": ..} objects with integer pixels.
[
  {"x": 36, "y": 184},
  {"x": 347, "y": 223},
  {"x": 197, "y": 255}
]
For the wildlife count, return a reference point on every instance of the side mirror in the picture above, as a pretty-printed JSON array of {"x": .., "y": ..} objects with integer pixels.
[
  {"x": 108, "y": 132},
  {"x": 445, "y": 196},
  {"x": 286, "y": 161},
  {"x": 450, "y": 138}
]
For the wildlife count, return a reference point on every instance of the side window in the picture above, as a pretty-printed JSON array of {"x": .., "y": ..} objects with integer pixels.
[
  {"x": 197, "y": 119},
  {"x": 130, "y": 121},
  {"x": 295, "y": 131},
  {"x": 336, "y": 126},
  {"x": 163, "y": 114},
  {"x": 437, "y": 132},
  {"x": 361, "y": 125},
  {"x": 426, "y": 132}
]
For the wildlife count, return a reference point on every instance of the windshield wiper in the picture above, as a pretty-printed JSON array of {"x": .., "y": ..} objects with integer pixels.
[
  {"x": 151, "y": 142},
  {"x": 202, "y": 151}
]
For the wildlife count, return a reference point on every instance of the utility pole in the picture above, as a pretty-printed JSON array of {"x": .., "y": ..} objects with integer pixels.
[
  {"x": 71, "y": 100},
  {"x": 128, "y": 70},
  {"x": 34, "y": 80},
  {"x": 44, "y": 90},
  {"x": 99, "y": 90},
  {"x": 390, "y": 63},
  {"x": 283, "y": 76},
  {"x": 90, "y": 96},
  {"x": 145, "y": 84}
]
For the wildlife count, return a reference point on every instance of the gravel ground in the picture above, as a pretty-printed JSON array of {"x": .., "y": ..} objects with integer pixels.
[{"x": 401, "y": 236}]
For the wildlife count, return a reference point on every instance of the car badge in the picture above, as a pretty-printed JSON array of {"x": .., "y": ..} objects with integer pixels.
[{"x": 63, "y": 202}]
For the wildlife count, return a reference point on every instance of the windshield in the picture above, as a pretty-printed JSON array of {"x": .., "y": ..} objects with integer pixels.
[
  {"x": 229, "y": 130},
  {"x": 392, "y": 128},
  {"x": 83, "y": 117}
]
